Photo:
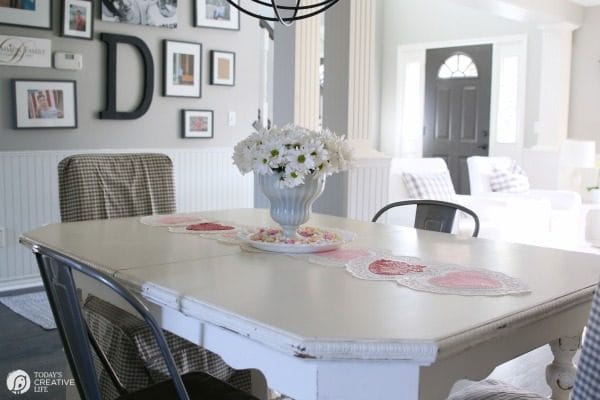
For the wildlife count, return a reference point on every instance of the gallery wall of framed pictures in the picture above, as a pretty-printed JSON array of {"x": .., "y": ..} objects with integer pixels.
[{"x": 187, "y": 64}]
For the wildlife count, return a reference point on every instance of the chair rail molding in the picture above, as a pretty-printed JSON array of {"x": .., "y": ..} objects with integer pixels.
[{"x": 205, "y": 179}]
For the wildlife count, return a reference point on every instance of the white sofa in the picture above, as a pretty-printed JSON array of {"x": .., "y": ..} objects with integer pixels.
[
  {"x": 510, "y": 218},
  {"x": 565, "y": 218}
]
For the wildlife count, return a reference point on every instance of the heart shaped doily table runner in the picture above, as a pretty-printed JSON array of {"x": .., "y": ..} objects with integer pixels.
[
  {"x": 437, "y": 278},
  {"x": 363, "y": 263}
]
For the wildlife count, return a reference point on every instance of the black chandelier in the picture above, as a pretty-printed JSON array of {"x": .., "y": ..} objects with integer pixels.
[{"x": 290, "y": 13}]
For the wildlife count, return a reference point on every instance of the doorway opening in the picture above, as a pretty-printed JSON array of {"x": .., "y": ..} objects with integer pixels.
[
  {"x": 506, "y": 98},
  {"x": 457, "y": 107}
]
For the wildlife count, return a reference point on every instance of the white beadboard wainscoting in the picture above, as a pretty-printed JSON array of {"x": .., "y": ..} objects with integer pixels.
[
  {"x": 205, "y": 179},
  {"x": 368, "y": 187}
]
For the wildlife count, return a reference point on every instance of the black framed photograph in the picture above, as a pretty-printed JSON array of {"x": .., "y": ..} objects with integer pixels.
[
  {"x": 197, "y": 124},
  {"x": 159, "y": 13},
  {"x": 218, "y": 14},
  {"x": 29, "y": 13},
  {"x": 182, "y": 66},
  {"x": 44, "y": 104},
  {"x": 222, "y": 68},
  {"x": 77, "y": 19}
]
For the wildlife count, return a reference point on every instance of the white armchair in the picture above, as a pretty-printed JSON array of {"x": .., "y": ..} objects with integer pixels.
[
  {"x": 565, "y": 204},
  {"x": 508, "y": 218}
]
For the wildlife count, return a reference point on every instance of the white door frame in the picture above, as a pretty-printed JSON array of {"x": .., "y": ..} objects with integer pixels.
[{"x": 411, "y": 144}]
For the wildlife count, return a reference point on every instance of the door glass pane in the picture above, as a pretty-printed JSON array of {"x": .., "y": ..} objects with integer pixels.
[{"x": 458, "y": 65}]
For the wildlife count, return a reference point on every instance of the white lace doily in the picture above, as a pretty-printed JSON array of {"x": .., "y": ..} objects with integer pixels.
[
  {"x": 465, "y": 282},
  {"x": 173, "y": 219},
  {"x": 383, "y": 266},
  {"x": 339, "y": 257},
  {"x": 416, "y": 274}
]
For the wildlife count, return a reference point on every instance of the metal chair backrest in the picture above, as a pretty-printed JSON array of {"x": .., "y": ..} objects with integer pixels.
[
  {"x": 433, "y": 215},
  {"x": 56, "y": 270},
  {"x": 99, "y": 186}
]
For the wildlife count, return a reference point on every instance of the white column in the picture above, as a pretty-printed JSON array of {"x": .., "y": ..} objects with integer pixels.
[
  {"x": 348, "y": 109},
  {"x": 306, "y": 78},
  {"x": 555, "y": 80},
  {"x": 361, "y": 69}
]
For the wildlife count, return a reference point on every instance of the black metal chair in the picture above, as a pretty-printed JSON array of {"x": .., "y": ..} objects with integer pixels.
[
  {"x": 433, "y": 215},
  {"x": 57, "y": 274}
]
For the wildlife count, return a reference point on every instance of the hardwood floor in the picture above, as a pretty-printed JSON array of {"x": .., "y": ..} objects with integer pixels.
[{"x": 25, "y": 345}]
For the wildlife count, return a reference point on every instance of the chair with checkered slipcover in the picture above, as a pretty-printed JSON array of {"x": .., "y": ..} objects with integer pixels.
[
  {"x": 587, "y": 380},
  {"x": 433, "y": 215},
  {"x": 56, "y": 270},
  {"x": 100, "y": 186}
]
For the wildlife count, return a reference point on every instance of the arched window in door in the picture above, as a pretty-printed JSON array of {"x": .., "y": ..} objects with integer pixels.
[{"x": 458, "y": 65}]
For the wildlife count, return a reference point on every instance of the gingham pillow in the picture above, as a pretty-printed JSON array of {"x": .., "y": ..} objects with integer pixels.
[
  {"x": 511, "y": 180},
  {"x": 433, "y": 186}
]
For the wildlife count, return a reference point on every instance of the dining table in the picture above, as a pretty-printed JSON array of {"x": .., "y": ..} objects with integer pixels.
[{"x": 317, "y": 331}]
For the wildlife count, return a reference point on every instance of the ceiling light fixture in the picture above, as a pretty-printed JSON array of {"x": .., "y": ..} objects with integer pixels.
[{"x": 290, "y": 13}]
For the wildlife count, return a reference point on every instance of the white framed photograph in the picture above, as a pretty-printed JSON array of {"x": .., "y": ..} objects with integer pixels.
[
  {"x": 28, "y": 13},
  {"x": 197, "y": 124},
  {"x": 222, "y": 68},
  {"x": 44, "y": 104},
  {"x": 77, "y": 19},
  {"x": 218, "y": 14},
  {"x": 182, "y": 66}
]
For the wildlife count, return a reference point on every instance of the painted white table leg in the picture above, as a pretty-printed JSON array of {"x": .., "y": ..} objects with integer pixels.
[{"x": 560, "y": 374}]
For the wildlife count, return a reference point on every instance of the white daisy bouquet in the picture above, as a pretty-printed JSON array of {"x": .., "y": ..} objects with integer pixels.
[{"x": 294, "y": 152}]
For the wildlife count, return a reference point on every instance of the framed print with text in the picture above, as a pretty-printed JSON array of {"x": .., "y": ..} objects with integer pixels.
[
  {"x": 182, "y": 66},
  {"x": 28, "y": 13},
  {"x": 44, "y": 104},
  {"x": 197, "y": 124},
  {"x": 222, "y": 68}
]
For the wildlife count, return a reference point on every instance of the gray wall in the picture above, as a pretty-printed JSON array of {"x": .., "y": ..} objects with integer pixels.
[
  {"x": 160, "y": 126},
  {"x": 584, "y": 116},
  {"x": 406, "y": 22}
]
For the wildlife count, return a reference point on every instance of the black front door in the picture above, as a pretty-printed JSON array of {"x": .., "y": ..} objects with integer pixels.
[{"x": 457, "y": 107}]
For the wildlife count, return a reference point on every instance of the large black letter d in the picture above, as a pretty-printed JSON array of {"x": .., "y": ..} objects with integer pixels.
[{"x": 111, "y": 76}]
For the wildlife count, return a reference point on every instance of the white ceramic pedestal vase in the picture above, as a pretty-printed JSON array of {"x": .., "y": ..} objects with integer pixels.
[{"x": 290, "y": 207}]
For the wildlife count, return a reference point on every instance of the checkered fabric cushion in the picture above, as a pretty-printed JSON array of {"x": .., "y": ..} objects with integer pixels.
[
  {"x": 130, "y": 346},
  {"x": 99, "y": 186},
  {"x": 432, "y": 186},
  {"x": 511, "y": 180},
  {"x": 587, "y": 382},
  {"x": 490, "y": 389}
]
